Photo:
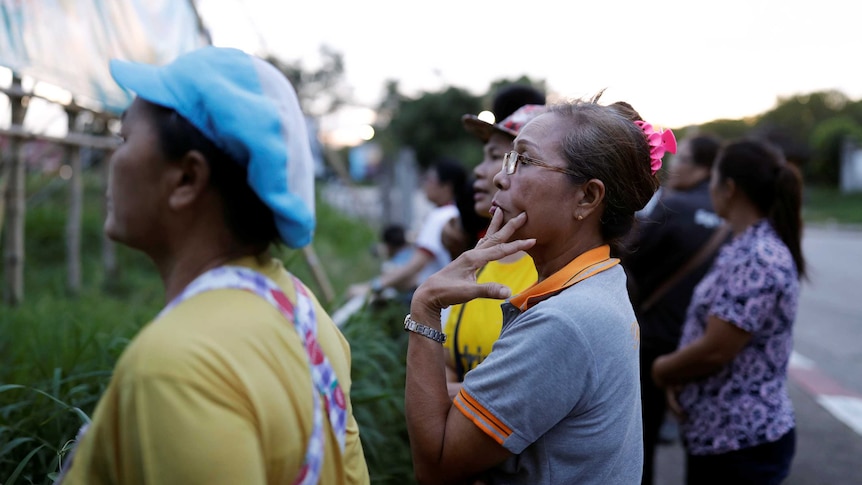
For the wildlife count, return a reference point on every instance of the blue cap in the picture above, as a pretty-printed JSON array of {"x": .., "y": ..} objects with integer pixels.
[{"x": 248, "y": 109}]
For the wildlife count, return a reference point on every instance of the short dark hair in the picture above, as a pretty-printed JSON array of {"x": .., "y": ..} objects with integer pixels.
[
  {"x": 450, "y": 172},
  {"x": 704, "y": 148},
  {"x": 472, "y": 223},
  {"x": 394, "y": 235},
  {"x": 247, "y": 217},
  {"x": 510, "y": 97}
]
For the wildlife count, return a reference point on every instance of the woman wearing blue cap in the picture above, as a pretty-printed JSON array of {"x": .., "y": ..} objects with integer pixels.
[{"x": 243, "y": 377}]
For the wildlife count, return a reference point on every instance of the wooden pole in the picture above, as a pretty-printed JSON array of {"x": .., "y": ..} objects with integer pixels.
[
  {"x": 5, "y": 174},
  {"x": 319, "y": 274},
  {"x": 13, "y": 293},
  {"x": 110, "y": 266},
  {"x": 75, "y": 210}
]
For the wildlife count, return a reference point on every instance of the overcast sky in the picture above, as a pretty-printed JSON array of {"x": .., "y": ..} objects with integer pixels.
[{"x": 676, "y": 61}]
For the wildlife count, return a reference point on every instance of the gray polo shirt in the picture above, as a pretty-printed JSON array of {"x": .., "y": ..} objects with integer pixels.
[{"x": 561, "y": 389}]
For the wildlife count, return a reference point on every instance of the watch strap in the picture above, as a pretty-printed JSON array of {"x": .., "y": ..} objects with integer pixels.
[{"x": 411, "y": 325}]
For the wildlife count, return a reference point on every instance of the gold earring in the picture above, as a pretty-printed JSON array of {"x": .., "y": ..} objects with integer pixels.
[{"x": 580, "y": 217}]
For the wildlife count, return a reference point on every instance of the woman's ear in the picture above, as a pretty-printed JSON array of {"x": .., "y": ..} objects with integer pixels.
[
  {"x": 726, "y": 190},
  {"x": 190, "y": 180},
  {"x": 729, "y": 187},
  {"x": 593, "y": 194}
]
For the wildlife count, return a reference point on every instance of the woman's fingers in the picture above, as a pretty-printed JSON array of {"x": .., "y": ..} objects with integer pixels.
[
  {"x": 496, "y": 233},
  {"x": 501, "y": 250},
  {"x": 453, "y": 292},
  {"x": 496, "y": 222},
  {"x": 495, "y": 291},
  {"x": 673, "y": 403},
  {"x": 456, "y": 282},
  {"x": 489, "y": 250}
]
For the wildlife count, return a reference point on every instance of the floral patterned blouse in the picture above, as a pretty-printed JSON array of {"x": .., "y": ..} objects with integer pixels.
[{"x": 754, "y": 285}]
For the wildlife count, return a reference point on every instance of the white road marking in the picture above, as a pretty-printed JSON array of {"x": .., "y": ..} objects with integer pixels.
[{"x": 844, "y": 405}]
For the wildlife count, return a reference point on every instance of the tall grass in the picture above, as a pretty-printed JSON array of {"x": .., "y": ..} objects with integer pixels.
[
  {"x": 830, "y": 205},
  {"x": 58, "y": 350},
  {"x": 379, "y": 346}
]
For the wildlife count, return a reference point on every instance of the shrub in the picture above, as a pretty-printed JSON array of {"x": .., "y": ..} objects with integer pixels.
[
  {"x": 379, "y": 349},
  {"x": 827, "y": 141}
]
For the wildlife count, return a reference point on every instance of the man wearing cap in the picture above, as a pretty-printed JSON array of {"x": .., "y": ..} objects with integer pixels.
[
  {"x": 242, "y": 378},
  {"x": 473, "y": 327}
]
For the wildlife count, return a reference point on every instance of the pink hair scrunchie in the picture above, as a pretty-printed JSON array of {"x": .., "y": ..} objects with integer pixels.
[{"x": 660, "y": 142}]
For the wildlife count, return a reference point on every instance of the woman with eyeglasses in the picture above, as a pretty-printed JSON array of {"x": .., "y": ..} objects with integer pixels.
[{"x": 557, "y": 400}]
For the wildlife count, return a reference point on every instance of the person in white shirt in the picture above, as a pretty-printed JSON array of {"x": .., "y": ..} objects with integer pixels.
[{"x": 440, "y": 184}]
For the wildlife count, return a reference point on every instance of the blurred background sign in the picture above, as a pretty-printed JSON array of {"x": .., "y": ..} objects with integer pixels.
[
  {"x": 365, "y": 161},
  {"x": 65, "y": 43},
  {"x": 851, "y": 166}
]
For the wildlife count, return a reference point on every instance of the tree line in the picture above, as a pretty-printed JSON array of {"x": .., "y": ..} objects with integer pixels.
[{"x": 810, "y": 128}]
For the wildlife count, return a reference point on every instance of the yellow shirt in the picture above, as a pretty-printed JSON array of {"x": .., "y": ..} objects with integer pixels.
[
  {"x": 217, "y": 391},
  {"x": 473, "y": 327}
]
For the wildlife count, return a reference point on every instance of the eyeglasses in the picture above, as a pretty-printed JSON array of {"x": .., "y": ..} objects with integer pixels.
[{"x": 511, "y": 160}]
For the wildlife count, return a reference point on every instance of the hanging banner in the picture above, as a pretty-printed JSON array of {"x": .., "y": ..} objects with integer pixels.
[{"x": 68, "y": 43}]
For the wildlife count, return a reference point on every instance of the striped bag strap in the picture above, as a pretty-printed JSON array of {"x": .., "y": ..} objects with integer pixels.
[{"x": 304, "y": 319}]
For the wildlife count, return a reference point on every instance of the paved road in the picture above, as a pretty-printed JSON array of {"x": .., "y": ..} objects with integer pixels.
[{"x": 826, "y": 373}]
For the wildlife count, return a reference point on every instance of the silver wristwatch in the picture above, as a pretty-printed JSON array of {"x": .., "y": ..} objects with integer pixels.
[{"x": 411, "y": 325}]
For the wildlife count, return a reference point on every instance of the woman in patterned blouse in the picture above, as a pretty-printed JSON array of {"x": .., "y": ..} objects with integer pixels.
[{"x": 727, "y": 379}]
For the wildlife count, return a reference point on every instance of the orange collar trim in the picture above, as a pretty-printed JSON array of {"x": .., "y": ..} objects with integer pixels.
[{"x": 588, "y": 264}]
